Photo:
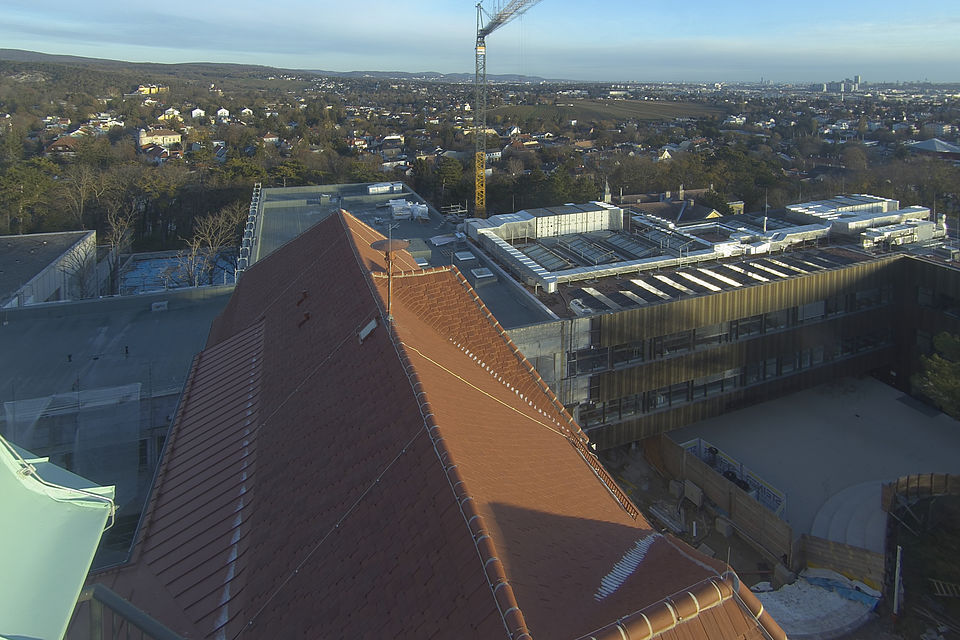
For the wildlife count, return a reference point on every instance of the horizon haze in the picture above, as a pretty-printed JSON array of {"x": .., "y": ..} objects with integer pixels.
[{"x": 557, "y": 39}]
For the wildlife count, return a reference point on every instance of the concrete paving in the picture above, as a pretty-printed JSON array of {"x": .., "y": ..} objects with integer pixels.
[
  {"x": 817, "y": 443},
  {"x": 853, "y": 516},
  {"x": 58, "y": 348},
  {"x": 94, "y": 385}
]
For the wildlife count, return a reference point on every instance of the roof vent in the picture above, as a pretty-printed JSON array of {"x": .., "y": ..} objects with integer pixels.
[{"x": 367, "y": 330}]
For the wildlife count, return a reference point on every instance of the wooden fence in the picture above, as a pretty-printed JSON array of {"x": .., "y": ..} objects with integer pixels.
[
  {"x": 922, "y": 485},
  {"x": 853, "y": 562},
  {"x": 753, "y": 521}
]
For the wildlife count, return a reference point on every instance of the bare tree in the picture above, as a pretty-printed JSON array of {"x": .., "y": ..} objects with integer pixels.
[
  {"x": 212, "y": 234},
  {"x": 123, "y": 212},
  {"x": 79, "y": 269},
  {"x": 81, "y": 183}
]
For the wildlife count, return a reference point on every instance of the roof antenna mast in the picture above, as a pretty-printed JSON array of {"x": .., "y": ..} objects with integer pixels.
[{"x": 390, "y": 246}]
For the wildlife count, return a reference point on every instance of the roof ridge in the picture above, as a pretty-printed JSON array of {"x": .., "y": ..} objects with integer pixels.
[
  {"x": 502, "y": 380},
  {"x": 522, "y": 359},
  {"x": 659, "y": 617},
  {"x": 413, "y": 273},
  {"x": 493, "y": 570}
]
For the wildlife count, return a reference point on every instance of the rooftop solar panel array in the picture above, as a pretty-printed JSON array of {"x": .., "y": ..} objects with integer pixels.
[
  {"x": 545, "y": 257},
  {"x": 652, "y": 288}
]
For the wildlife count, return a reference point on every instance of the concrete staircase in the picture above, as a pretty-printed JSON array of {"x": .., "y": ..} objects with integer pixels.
[{"x": 854, "y": 517}]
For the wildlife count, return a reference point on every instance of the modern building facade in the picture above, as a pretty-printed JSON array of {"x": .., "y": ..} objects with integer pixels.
[
  {"x": 649, "y": 345},
  {"x": 635, "y": 373}
]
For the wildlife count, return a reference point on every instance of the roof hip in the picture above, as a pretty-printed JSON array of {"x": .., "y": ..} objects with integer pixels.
[{"x": 493, "y": 569}]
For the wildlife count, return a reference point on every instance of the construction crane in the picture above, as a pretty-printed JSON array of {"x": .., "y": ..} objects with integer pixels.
[{"x": 513, "y": 9}]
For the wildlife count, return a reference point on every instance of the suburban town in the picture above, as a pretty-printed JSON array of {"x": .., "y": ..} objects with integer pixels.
[{"x": 392, "y": 354}]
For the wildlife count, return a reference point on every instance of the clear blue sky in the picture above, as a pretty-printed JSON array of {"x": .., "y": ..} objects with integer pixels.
[{"x": 693, "y": 40}]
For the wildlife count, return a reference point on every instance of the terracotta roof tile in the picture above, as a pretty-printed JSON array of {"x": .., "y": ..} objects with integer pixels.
[{"x": 422, "y": 481}]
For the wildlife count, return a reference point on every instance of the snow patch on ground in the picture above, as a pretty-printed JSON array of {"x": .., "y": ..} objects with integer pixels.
[{"x": 820, "y": 604}]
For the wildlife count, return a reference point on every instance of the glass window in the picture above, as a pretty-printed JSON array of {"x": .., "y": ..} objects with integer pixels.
[
  {"x": 676, "y": 343},
  {"x": 631, "y": 405},
  {"x": 587, "y": 360},
  {"x": 710, "y": 335},
  {"x": 769, "y": 368},
  {"x": 657, "y": 398},
  {"x": 847, "y": 346},
  {"x": 751, "y": 326},
  {"x": 886, "y": 294},
  {"x": 731, "y": 379},
  {"x": 788, "y": 364},
  {"x": 834, "y": 305},
  {"x": 679, "y": 393},
  {"x": 627, "y": 353},
  {"x": 867, "y": 299},
  {"x": 591, "y": 414},
  {"x": 811, "y": 312},
  {"x": 816, "y": 356},
  {"x": 611, "y": 410},
  {"x": 714, "y": 386},
  {"x": 775, "y": 320}
]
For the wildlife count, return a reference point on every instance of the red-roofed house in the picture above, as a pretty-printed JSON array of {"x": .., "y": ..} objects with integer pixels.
[
  {"x": 362, "y": 457},
  {"x": 64, "y": 146}
]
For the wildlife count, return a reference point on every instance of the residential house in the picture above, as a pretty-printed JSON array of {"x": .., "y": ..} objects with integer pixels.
[
  {"x": 357, "y": 142},
  {"x": 170, "y": 114},
  {"x": 151, "y": 89},
  {"x": 198, "y": 113},
  {"x": 162, "y": 137},
  {"x": 56, "y": 122},
  {"x": 62, "y": 146},
  {"x": 155, "y": 153}
]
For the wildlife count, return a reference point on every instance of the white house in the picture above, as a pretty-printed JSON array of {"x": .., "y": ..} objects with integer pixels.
[
  {"x": 223, "y": 113},
  {"x": 198, "y": 113},
  {"x": 170, "y": 114}
]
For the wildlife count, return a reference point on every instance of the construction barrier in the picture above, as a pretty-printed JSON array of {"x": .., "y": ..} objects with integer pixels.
[
  {"x": 754, "y": 522},
  {"x": 853, "y": 562}
]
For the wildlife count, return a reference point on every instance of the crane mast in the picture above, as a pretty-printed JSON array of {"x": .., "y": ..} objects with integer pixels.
[{"x": 513, "y": 9}]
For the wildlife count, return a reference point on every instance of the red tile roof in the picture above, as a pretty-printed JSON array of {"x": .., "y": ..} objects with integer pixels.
[{"x": 329, "y": 475}]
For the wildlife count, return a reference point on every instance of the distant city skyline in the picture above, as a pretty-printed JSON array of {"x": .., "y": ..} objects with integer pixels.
[{"x": 618, "y": 40}]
